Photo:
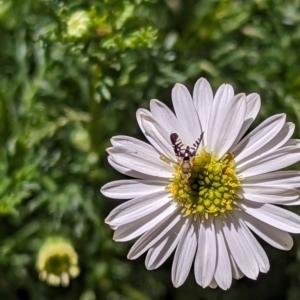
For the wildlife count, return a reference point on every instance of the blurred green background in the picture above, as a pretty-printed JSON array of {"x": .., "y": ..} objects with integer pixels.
[{"x": 72, "y": 75}]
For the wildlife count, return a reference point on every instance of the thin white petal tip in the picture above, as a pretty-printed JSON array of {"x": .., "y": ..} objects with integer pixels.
[
  {"x": 109, "y": 150},
  {"x": 129, "y": 257},
  {"x": 289, "y": 247},
  {"x": 154, "y": 101},
  {"x": 265, "y": 270},
  {"x": 102, "y": 189}
]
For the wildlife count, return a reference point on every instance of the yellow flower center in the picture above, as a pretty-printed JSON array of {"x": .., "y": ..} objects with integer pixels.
[{"x": 210, "y": 189}]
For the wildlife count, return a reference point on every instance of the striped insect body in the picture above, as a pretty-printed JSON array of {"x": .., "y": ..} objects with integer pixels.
[{"x": 185, "y": 154}]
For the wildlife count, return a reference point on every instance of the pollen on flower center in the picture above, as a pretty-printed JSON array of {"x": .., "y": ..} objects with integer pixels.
[{"x": 211, "y": 188}]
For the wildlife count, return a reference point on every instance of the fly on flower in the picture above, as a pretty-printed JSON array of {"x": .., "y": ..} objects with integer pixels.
[
  {"x": 208, "y": 208},
  {"x": 185, "y": 154}
]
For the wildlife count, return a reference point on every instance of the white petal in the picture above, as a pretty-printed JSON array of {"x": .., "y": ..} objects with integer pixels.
[
  {"x": 128, "y": 171},
  {"x": 135, "y": 160},
  {"x": 259, "y": 252},
  {"x": 291, "y": 178},
  {"x": 133, "y": 143},
  {"x": 139, "y": 113},
  {"x": 273, "y": 215},
  {"x": 223, "y": 275},
  {"x": 137, "y": 208},
  {"x": 275, "y": 199},
  {"x": 268, "y": 189},
  {"x": 239, "y": 248},
  {"x": 225, "y": 122},
  {"x": 132, "y": 188},
  {"x": 267, "y": 137},
  {"x": 236, "y": 272},
  {"x": 213, "y": 284},
  {"x": 128, "y": 144},
  {"x": 281, "y": 139},
  {"x": 224, "y": 94},
  {"x": 274, "y": 236},
  {"x": 253, "y": 106},
  {"x": 264, "y": 150},
  {"x": 203, "y": 99},
  {"x": 158, "y": 137},
  {"x": 164, "y": 116},
  {"x": 260, "y": 136},
  {"x": 205, "y": 260},
  {"x": 278, "y": 159},
  {"x": 186, "y": 113},
  {"x": 268, "y": 194},
  {"x": 158, "y": 254},
  {"x": 290, "y": 203},
  {"x": 152, "y": 236},
  {"x": 132, "y": 230},
  {"x": 184, "y": 255}
]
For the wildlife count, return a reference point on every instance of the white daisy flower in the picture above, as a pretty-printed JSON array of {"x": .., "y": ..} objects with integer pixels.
[{"x": 207, "y": 214}]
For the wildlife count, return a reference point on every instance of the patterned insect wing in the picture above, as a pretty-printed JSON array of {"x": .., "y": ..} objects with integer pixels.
[
  {"x": 196, "y": 144},
  {"x": 177, "y": 144}
]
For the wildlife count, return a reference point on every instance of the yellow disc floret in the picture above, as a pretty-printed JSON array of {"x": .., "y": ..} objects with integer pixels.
[{"x": 211, "y": 188}]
